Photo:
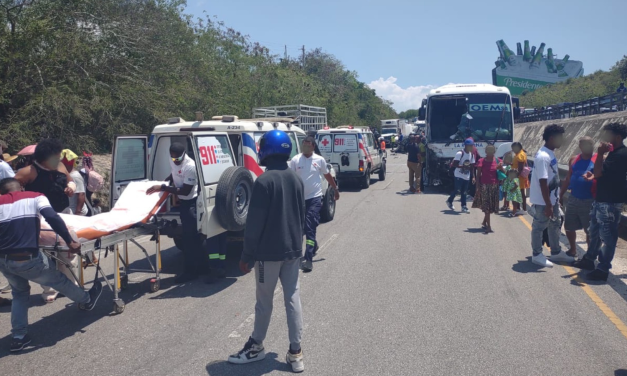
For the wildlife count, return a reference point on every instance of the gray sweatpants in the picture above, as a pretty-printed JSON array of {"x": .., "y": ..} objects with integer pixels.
[{"x": 267, "y": 273}]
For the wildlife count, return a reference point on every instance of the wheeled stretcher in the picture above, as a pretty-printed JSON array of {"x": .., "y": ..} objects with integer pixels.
[{"x": 133, "y": 216}]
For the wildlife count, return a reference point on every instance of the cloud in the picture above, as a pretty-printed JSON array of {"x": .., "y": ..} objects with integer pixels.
[{"x": 403, "y": 99}]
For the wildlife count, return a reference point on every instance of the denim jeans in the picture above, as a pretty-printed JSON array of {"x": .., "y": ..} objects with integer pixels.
[
  {"x": 542, "y": 222},
  {"x": 38, "y": 270},
  {"x": 461, "y": 186},
  {"x": 604, "y": 220}
]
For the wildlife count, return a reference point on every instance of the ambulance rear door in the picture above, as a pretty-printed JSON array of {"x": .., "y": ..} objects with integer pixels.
[
  {"x": 129, "y": 162},
  {"x": 213, "y": 156}
]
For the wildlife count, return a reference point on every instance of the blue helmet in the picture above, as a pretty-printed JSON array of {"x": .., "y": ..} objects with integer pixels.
[{"x": 274, "y": 143}]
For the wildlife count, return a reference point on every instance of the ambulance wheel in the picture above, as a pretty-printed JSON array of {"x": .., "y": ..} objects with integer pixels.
[
  {"x": 382, "y": 172},
  {"x": 235, "y": 188},
  {"x": 365, "y": 181},
  {"x": 155, "y": 285},
  {"x": 328, "y": 206}
]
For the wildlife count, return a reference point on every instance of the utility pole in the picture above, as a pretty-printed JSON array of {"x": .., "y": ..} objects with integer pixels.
[
  {"x": 285, "y": 54},
  {"x": 303, "y": 56}
]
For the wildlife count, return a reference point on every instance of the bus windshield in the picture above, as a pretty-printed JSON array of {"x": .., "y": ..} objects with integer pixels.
[{"x": 484, "y": 117}]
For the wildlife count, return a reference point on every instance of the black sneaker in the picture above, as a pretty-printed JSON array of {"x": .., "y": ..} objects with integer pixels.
[
  {"x": 218, "y": 272},
  {"x": 215, "y": 275},
  {"x": 184, "y": 278},
  {"x": 306, "y": 266},
  {"x": 19, "y": 344},
  {"x": 94, "y": 294},
  {"x": 584, "y": 264},
  {"x": 597, "y": 276},
  {"x": 252, "y": 352}
]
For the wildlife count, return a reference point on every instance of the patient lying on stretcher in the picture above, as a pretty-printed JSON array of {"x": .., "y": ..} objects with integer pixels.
[{"x": 133, "y": 207}]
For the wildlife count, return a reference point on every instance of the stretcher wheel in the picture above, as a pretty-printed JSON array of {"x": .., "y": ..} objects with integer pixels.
[
  {"x": 155, "y": 285},
  {"x": 124, "y": 282},
  {"x": 118, "y": 306}
]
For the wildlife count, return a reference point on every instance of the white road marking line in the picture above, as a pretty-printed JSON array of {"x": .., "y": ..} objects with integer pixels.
[
  {"x": 251, "y": 319},
  {"x": 326, "y": 244},
  {"x": 386, "y": 187},
  {"x": 248, "y": 320}
]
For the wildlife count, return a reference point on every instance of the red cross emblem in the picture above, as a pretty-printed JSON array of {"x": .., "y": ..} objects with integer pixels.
[{"x": 325, "y": 142}]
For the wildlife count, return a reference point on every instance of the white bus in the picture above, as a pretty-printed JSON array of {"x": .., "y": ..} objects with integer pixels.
[{"x": 453, "y": 113}]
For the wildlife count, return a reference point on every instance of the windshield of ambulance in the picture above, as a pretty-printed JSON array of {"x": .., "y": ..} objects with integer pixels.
[{"x": 491, "y": 117}]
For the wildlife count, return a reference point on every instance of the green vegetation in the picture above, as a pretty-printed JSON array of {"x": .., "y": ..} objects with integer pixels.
[
  {"x": 409, "y": 114},
  {"x": 85, "y": 70},
  {"x": 579, "y": 89}
]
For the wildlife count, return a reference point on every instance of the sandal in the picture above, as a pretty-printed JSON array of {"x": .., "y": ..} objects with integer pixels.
[
  {"x": 487, "y": 230},
  {"x": 504, "y": 208}
]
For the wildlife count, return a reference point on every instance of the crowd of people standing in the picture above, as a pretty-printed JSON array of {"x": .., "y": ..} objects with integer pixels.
[
  {"x": 49, "y": 183},
  {"x": 598, "y": 190}
]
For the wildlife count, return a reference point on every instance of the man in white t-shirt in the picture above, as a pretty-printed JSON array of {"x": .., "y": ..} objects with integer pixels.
[
  {"x": 311, "y": 168},
  {"x": 463, "y": 163},
  {"x": 184, "y": 182},
  {"x": 544, "y": 198}
]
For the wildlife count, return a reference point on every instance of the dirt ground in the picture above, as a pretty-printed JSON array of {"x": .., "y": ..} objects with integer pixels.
[{"x": 102, "y": 165}]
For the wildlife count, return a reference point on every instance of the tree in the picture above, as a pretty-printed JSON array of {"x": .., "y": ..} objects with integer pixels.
[
  {"x": 84, "y": 71},
  {"x": 621, "y": 66}
]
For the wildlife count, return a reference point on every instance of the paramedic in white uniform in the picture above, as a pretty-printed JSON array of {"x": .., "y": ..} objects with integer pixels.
[
  {"x": 184, "y": 184},
  {"x": 311, "y": 167}
]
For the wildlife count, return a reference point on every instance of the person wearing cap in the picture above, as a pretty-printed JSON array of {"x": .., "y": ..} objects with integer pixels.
[
  {"x": 184, "y": 184},
  {"x": 463, "y": 163},
  {"x": 47, "y": 175},
  {"x": 6, "y": 171},
  {"x": 273, "y": 243},
  {"x": 77, "y": 201}
]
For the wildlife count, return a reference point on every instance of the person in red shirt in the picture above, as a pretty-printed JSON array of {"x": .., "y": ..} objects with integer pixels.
[{"x": 487, "y": 197}]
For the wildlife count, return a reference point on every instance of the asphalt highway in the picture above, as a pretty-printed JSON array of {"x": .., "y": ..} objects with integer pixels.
[{"x": 401, "y": 286}]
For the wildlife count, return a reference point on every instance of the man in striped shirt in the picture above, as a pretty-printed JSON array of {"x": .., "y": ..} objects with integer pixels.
[{"x": 20, "y": 258}]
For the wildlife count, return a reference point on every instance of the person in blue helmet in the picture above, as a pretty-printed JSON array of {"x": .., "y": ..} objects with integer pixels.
[{"x": 273, "y": 245}]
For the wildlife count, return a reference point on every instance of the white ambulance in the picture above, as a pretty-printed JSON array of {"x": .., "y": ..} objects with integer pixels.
[
  {"x": 225, "y": 151},
  {"x": 353, "y": 153}
]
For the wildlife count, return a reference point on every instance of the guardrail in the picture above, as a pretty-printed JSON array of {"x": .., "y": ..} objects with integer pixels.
[{"x": 610, "y": 103}]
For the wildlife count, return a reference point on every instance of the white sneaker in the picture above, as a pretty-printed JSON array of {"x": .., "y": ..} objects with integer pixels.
[
  {"x": 521, "y": 212},
  {"x": 542, "y": 261},
  {"x": 296, "y": 361},
  {"x": 450, "y": 205},
  {"x": 252, "y": 352},
  {"x": 562, "y": 257}
]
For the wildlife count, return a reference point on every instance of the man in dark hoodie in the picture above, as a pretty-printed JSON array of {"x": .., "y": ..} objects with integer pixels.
[{"x": 273, "y": 242}]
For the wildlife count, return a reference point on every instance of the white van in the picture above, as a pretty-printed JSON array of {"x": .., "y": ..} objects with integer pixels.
[
  {"x": 353, "y": 152},
  {"x": 225, "y": 150}
]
